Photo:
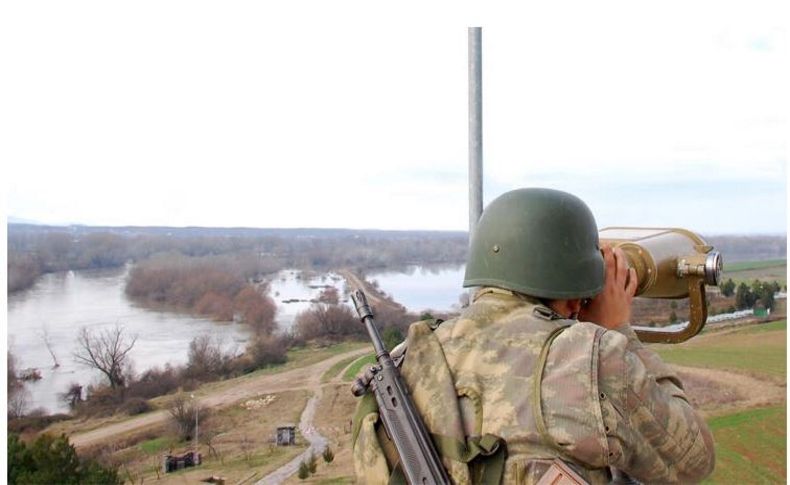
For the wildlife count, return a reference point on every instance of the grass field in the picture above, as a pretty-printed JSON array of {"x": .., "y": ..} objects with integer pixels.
[
  {"x": 242, "y": 436},
  {"x": 758, "y": 350},
  {"x": 299, "y": 357},
  {"x": 354, "y": 369},
  {"x": 335, "y": 369},
  {"x": 750, "y": 443},
  {"x": 748, "y": 265},
  {"x": 750, "y": 446},
  {"x": 748, "y": 271}
]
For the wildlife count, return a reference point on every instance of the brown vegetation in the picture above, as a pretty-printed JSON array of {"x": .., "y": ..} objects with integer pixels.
[
  {"x": 207, "y": 362},
  {"x": 184, "y": 413},
  {"x": 328, "y": 322},
  {"x": 215, "y": 286}
]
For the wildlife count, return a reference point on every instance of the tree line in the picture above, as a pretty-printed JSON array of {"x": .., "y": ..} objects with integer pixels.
[
  {"x": 219, "y": 287},
  {"x": 36, "y": 250},
  {"x": 748, "y": 296}
]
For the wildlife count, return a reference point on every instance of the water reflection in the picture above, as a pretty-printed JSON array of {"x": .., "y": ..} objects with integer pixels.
[{"x": 420, "y": 288}]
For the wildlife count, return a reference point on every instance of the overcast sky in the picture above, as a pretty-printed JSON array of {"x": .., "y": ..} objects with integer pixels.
[{"x": 300, "y": 114}]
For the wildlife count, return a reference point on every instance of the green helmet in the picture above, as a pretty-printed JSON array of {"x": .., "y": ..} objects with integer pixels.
[{"x": 539, "y": 242}]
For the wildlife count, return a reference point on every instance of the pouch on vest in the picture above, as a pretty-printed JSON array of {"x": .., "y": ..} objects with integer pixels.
[{"x": 467, "y": 459}]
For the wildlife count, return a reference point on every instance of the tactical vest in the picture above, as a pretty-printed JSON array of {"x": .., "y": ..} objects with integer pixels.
[{"x": 476, "y": 381}]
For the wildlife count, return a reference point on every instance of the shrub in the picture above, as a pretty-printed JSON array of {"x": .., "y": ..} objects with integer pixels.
[
  {"x": 328, "y": 455},
  {"x": 256, "y": 309},
  {"x": 267, "y": 350},
  {"x": 135, "y": 405},
  {"x": 182, "y": 412},
  {"x": 332, "y": 322},
  {"x": 391, "y": 336},
  {"x": 100, "y": 401},
  {"x": 215, "y": 305},
  {"x": 53, "y": 460},
  {"x": 32, "y": 424},
  {"x": 312, "y": 464},
  {"x": 304, "y": 472},
  {"x": 329, "y": 295},
  {"x": 206, "y": 359},
  {"x": 156, "y": 382}
]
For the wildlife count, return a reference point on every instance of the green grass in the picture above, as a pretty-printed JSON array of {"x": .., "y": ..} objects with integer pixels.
[
  {"x": 156, "y": 445},
  {"x": 309, "y": 355},
  {"x": 748, "y": 271},
  {"x": 757, "y": 349},
  {"x": 766, "y": 327},
  {"x": 297, "y": 357},
  {"x": 750, "y": 446},
  {"x": 335, "y": 369},
  {"x": 354, "y": 369},
  {"x": 750, "y": 265}
]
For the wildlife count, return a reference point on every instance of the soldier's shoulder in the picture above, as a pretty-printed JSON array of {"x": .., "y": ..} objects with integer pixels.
[
  {"x": 594, "y": 341},
  {"x": 608, "y": 339}
]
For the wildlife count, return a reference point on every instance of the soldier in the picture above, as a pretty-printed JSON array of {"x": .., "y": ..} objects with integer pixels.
[{"x": 542, "y": 369}]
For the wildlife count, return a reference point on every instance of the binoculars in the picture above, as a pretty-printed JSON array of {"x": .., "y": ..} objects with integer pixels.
[{"x": 669, "y": 263}]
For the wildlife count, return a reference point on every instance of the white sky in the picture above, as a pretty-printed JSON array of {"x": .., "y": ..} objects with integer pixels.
[{"x": 328, "y": 114}]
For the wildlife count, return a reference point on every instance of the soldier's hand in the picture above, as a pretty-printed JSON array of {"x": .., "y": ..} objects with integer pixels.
[{"x": 612, "y": 307}]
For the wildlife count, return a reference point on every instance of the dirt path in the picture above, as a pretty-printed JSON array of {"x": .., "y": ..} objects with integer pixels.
[
  {"x": 308, "y": 429},
  {"x": 302, "y": 378},
  {"x": 715, "y": 392}
]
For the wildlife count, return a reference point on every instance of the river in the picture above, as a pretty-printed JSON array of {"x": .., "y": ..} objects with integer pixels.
[
  {"x": 421, "y": 288},
  {"x": 60, "y": 304}
]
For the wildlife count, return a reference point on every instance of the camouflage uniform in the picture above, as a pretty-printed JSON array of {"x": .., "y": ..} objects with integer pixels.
[{"x": 604, "y": 399}]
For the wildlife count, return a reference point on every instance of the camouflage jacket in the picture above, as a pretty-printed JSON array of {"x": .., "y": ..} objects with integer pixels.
[{"x": 604, "y": 400}]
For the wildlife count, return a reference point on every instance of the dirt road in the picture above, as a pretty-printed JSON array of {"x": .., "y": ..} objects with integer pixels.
[
  {"x": 374, "y": 296},
  {"x": 714, "y": 392},
  {"x": 301, "y": 378}
]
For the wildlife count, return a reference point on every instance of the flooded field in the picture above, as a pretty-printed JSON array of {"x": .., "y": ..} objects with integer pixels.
[
  {"x": 421, "y": 288},
  {"x": 62, "y": 303}
]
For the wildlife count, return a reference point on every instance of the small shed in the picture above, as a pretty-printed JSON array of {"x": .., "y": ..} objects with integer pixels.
[{"x": 286, "y": 435}]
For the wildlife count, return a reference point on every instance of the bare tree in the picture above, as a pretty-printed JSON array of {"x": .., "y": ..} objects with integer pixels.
[
  {"x": 205, "y": 357},
  {"x": 18, "y": 402},
  {"x": 13, "y": 377},
  {"x": 107, "y": 352},
  {"x": 328, "y": 321},
  {"x": 44, "y": 334}
]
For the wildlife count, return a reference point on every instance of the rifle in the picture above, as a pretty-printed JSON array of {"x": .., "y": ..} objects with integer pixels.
[{"x": 418, "y": 457}]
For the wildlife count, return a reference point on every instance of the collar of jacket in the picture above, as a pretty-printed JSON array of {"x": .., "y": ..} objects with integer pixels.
[{"x": 541, "y": 310}]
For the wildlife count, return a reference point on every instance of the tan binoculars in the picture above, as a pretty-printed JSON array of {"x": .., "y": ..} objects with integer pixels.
[{"x": 669, "y": 263}]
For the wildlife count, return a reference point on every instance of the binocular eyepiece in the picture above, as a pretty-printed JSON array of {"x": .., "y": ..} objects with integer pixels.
[{"x": 669, "y": 263}]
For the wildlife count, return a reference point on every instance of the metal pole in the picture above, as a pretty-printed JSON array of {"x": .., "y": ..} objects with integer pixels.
[
  {"x": 475, "y": 127},
  {"x": 197, "y": 443},
  {"x": 195, "y": 403}
]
